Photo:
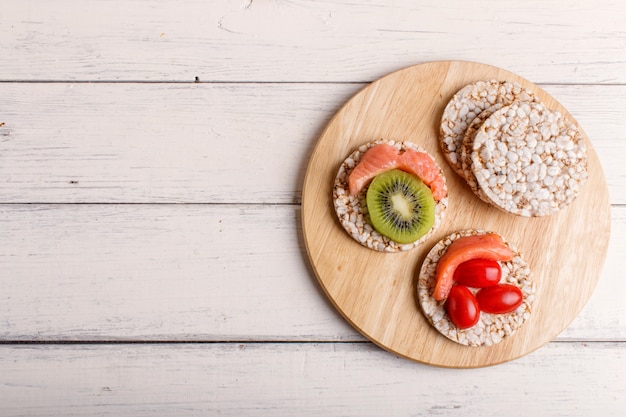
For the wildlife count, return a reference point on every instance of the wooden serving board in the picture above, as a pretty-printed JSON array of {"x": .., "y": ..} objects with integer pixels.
[{"x": 376, "y": 292}]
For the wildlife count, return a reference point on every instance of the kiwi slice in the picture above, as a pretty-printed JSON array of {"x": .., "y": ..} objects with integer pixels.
[{"x": 400, "y": 206}]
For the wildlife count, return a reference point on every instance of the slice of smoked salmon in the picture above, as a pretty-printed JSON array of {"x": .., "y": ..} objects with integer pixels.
[
  {"x": 375, "y": 160},
  {"x": 383, "y": 157},
  {"x": 422, "y": 165},
  {"x": 488, "y": 246}
]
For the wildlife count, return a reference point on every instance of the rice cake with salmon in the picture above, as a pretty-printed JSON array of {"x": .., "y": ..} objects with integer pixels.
[
  {"x": 491, "y": 328},
  {"x": 351, "y": 208}
]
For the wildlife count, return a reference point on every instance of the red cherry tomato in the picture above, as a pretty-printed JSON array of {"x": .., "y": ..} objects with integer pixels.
[
  {"x": 462, "y": 307},
  {"x": 478, "y": 273},
  {"x": 498, "y": 299}
]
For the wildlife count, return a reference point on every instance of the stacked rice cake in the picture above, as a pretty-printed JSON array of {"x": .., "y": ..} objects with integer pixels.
[{"x": 514, "y": 153}]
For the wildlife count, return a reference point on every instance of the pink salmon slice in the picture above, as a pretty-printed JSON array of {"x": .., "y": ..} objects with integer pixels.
[{"x": 383, "y": 157}]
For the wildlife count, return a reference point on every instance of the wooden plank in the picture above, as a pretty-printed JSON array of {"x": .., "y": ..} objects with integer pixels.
[
  {"x": 173, "y": 272},
  {"x": 160, "y": 142},
  {"x": 306, "y": 40},
  {"x": 195, "y": 273},
  {"x": 220, "y": 143},
  {"x": 303, "y": 379}
]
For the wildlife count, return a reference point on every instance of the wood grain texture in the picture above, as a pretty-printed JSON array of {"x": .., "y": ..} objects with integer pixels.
[
  {"x": 158, "y": 143},
  {"x": 182, "y": 273},
  {"x": 151, "y": 272},
  {"x": 305, "y": 40},
  {"x": 303, "y": 379},
  {"x": 376, "y": 291},
  {"x": 207, "y": 143},
  {"x": 221, "y": 102}
]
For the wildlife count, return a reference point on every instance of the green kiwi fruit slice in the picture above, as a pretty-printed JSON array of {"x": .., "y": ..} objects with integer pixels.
[{"x": 400, "y": 206}]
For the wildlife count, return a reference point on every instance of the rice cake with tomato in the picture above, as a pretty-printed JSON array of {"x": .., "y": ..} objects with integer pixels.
[{"x": 491, "y": 328}]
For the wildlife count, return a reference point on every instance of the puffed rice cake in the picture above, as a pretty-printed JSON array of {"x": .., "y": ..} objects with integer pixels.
[
  {"x": 491, "y": 328},
  {"x": 529, "y": 160},
  {"x": 352, "y": 210},
  {"x": 467, "y": 104},
  {"x": 466, "y": 150}
]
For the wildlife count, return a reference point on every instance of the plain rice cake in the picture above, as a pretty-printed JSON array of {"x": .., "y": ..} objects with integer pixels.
[{"x": 529, "y": 160}]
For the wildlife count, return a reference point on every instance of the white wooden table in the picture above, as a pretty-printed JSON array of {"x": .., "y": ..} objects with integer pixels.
[{"x": 151, "y": 161}]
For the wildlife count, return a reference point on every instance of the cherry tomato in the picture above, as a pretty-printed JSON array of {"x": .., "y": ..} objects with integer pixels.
[
  {"x": 478, "y": 273},
  {"x": 498, "y": 299},
  {"x": 462, "y": 307}
]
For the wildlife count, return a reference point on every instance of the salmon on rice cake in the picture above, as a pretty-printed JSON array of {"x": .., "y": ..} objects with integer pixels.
[
  {"x": 488, "y": 326},
  {"x": 390, "y": 196}
]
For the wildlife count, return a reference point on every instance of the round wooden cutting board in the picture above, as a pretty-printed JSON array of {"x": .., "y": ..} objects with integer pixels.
[{"x": 376, "y": 292}]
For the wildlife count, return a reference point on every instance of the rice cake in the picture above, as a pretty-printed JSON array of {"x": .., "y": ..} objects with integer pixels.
[
  {"x": 529, "y": 160},
  {"x": 491, "y": 328},
  {"x": 352, "y": 210},
  {"x": 466, "y": 149},
  {"x": 466, "y": 105}
]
